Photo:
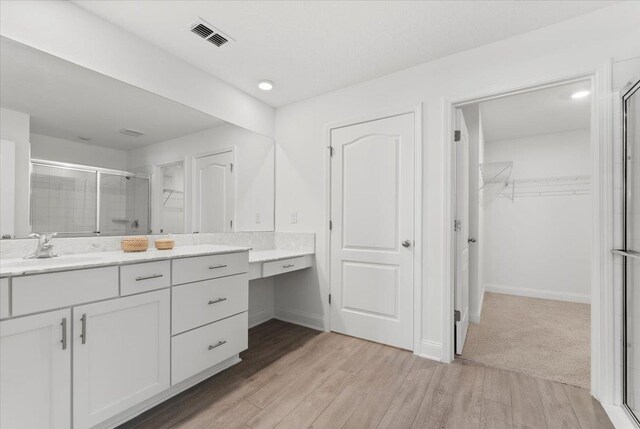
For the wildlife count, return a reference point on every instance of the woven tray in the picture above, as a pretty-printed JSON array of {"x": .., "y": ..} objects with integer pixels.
[
  {"x": 165, "y": 243},
  {"x": 136, "y": 243}
]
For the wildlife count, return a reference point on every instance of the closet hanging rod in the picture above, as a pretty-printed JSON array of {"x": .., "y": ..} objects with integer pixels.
[{"x": 629, "y": 253}]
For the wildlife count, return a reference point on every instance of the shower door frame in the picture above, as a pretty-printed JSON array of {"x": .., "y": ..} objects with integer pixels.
[
  {"x": 99, "y": 171},
  {"x": 626, "y": 93}
]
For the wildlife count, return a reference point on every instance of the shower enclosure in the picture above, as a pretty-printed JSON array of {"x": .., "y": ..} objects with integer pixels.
[
  {"x": 78, "y": 200},
  {"x": 631, "y": 250}
]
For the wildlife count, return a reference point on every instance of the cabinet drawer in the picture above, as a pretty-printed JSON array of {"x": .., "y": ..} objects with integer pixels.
[
  {"x": 187, "y": 270},
  {"x": 285, "y": 265},
  {"x": 202, "y": 348},
  {"x": 196, "y": 304},
  {"x": 54, "y": 290},
  {"x": 144, "y": 277}
]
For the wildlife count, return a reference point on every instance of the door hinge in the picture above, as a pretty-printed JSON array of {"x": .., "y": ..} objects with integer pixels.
[
  {"x": 330, "y": 225},
  {"x": 231, "y": 223},
  {"x": 329, "y": 299},
  {"x": 231, "y": 165},
  {"x": 456, "y": 136},
  {"x": 457, "y": 225},
  {"x": 330, "y": 151},
  {"x": 456, "y": 315}
]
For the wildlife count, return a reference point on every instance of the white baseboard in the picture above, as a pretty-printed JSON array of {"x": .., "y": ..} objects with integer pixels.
[
  {"x": 619, "y": 417},
  {"x": 309, "y": 320},
  {"x": 261, "y": 316},
  {"x": 431, "y": 350},
  {"x": 536, "y": 293}
]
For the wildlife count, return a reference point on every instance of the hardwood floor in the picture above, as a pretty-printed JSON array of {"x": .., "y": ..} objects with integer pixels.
[{"x": 294, "y": 377}]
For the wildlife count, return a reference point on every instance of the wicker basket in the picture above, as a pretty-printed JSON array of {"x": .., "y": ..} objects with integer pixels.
[
  {"x": 165, "y": 243},
  {"x": 136, "y": 243}
]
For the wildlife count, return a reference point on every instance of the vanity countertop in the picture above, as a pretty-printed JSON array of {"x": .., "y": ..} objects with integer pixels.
[
  {"x": 256, "y": 256},
  {"x": 19, "y": 266}
]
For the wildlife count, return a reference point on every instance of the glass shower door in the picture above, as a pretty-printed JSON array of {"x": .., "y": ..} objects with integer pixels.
[
  {"x": 124, "y": 204},
  {"x": 631, "y": 134}
]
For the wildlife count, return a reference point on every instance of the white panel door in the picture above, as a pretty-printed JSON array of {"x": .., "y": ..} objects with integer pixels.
[
  {"x": 213, "y": 193},
  {"x": 462, "y": 233},
  {"x": 121, "y": 355},
  {"x": 35, "y": 371},
  {"x": 372, "y": 211}
]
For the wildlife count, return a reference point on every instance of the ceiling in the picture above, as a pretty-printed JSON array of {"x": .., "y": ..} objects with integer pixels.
[
  {"x": 545, "y": 111},
  {"x": 311, "y": 47},
  {"x": 66, "y": 101}
]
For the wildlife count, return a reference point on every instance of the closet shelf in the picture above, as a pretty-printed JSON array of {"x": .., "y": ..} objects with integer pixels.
[
  {"x": 547, "y": 186},
  {"x": 495, "y": 179}
]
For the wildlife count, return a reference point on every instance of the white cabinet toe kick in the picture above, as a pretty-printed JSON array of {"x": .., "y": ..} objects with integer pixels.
[{"x": 114, "y": 341}]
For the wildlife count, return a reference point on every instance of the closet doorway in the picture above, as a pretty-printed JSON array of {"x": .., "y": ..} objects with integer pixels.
[{"x": 523, "y": 215}]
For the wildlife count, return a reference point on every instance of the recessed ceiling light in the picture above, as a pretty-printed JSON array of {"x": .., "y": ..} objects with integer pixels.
[
  {"x": 580, "y": 94},
  {"x": 265, "y": 85}
]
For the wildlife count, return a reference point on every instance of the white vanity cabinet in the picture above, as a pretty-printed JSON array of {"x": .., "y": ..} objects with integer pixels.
[
  {"x": 35, "y": 371},
  {"x": 121, "y": 352},
  {"x": 92, "y": 347}
]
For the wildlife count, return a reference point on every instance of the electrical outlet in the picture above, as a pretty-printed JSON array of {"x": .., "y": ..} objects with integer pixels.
[
  {"x": 294, "y": 217},
  {"x": 257, "y": 217}
]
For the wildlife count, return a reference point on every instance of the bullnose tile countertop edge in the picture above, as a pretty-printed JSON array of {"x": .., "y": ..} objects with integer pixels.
[{"x": 13, "y": 268}]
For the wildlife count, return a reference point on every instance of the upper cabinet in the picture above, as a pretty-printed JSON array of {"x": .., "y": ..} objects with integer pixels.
[{"x": 109, "y": 158}]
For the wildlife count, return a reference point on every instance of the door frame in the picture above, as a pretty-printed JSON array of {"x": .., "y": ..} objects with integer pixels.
[
  {"x": 192, "y": 191},
  {"x": 603, "y": 344},
  {"x": 417, "y": 209}
]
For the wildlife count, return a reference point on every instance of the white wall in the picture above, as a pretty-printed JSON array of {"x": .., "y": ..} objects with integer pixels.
[
  {"x": 62, "y": 150},
  {"x": 580, "y": 45},
  {"x": 14, "y": 126},
  {"x": 540, "y": 246},
  {"x": 254, "y": 169},
  {"x": 63, "y": 29}
]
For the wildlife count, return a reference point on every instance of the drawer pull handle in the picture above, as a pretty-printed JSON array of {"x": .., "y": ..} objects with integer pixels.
[
  {"x": 64, "y": 333},
  {"x": 152, "y": 276},
  {"x": 213, "y": 267},
  {"x": 83, "y": 333},
  {"x": 217, "y": 345},
  {"x": 288, "y": 266},
  {"x": 215, "y": 301}
]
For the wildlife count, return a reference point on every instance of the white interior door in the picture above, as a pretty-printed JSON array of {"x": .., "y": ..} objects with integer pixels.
[
  {"x": 213, "y": 193},
  {"x": 372, "y": 212},
  {"x": 462, "y": 233}
]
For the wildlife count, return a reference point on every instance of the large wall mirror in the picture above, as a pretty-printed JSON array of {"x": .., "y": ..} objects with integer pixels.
[{"x": 85, "y": 154}]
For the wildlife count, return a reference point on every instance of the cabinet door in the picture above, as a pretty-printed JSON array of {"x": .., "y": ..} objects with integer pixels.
[
  {"x": 35, "y": 371},
  {"x": 120, "y": 355}
]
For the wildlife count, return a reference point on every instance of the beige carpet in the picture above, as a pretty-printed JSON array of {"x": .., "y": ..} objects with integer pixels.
[{"x": 540, "y": 337}]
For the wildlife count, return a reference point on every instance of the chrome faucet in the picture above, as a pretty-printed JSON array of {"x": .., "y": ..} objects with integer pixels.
[{"x": 45, "y": 246}]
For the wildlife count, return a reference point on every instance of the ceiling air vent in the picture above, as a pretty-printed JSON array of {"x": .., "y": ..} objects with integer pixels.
[
  {"x": 209, "y": 33},
  {"x": 132, "y": 133}
]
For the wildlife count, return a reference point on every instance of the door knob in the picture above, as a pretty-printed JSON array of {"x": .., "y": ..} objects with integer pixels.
[
  {"x": 406, "y": 243},
  {"x": 472, "y": 240}
]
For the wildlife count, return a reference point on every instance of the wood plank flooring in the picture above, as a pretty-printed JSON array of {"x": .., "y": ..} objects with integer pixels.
[{"x": 294, "y": 377}]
